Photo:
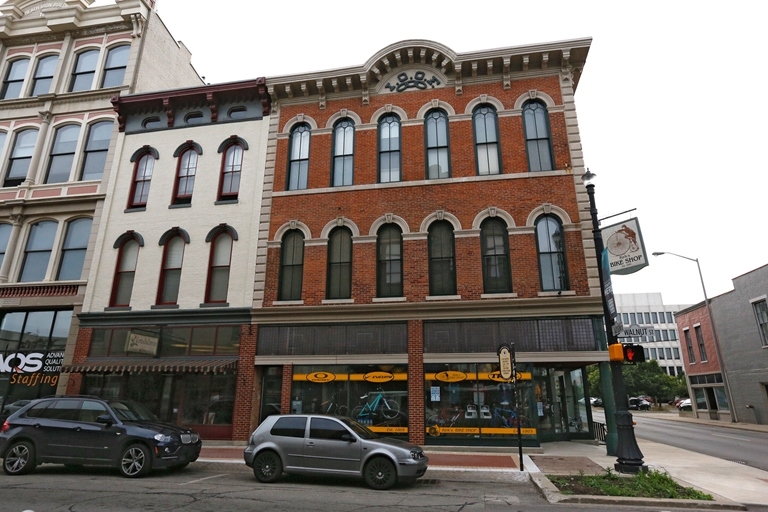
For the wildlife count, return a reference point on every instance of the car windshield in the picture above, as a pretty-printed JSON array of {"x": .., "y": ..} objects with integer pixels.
[
  {"x": 358, "y": 429},
  {"x": 131, "y": 411}
]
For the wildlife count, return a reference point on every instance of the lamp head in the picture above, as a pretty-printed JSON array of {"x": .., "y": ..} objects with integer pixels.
[
  {"x": 588, "y": 177},
  {"x": 658, "y": 253}
]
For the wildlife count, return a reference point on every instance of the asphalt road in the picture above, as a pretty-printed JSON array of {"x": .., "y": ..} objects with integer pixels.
[{"x": 741, "y": 446}]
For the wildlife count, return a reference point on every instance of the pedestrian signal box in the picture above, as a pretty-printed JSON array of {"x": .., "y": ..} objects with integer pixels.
[{"x": 633, "y": 353}]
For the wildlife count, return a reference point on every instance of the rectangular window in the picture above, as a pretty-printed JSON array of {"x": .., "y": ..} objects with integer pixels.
[
  {"x": 761, "y": 316},
  {"x": 672, "y": 335},
  {"x": 689, "y": 346},
  {"x": 647, "y": 317},
  {"x": 655, "y": 318},
  {"x": 626, "y": 318},
  {"x": 657, "y": 335},
  {"x": 661, "y": 353},
  {"x": 653, "y": 353},
  {"x": 668, "y": 352},
  {"x": 669, "y": 318},
  {"x": 647, "y": 353},
  {"x": 632, "y": 318},
  {"x": 664, "y": 335},
  {"x": 676, "y": 352},
  {"x": 679, "y": 370},
  {"x": 700, "y": 340}
]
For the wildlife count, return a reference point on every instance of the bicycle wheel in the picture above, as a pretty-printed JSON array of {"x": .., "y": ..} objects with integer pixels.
[
  {"x": 617, "y": 244},
  {"x": 342, "y": 411},
  {"x": 356, "y": 412},
  {"x": 390, "y": 409}
]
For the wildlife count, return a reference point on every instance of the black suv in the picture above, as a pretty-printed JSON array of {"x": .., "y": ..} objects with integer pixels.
[{"x": 84, "y": 430}]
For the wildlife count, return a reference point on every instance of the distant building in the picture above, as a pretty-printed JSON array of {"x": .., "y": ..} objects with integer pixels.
[
  {"x": 650, "y": 322},
  {"x": 741, "y": 322}
]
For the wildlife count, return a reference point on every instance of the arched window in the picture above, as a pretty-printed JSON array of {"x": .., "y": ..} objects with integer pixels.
[
  {"x": 13, "y": 84},
  {"x": 62, "y": 154},
  {"x": 37, "y": 254},
  {"x": 550, "y": 245},
  {"x": 21, "y": 156},
  {"x": 114, "y": 67},
  {"x": 343, "y": 152},
  {"x": 218, "y": 269},
  {"x": 389, "y": 149},
  {"x": 298, "y": 162},
  {"x": 125, "y": 271},
  {"x": 436, "y": 142},
  {"x": 170, "y": 274},
  {"x": 389, "y": 264},
  {"x": 495, "y": 251},
  {"x": 84, "y": 71},
  {"x": 96, "y": 148},
  {"x": 231, "y": 166},
  {"x": 485, "y": 124},
  {"x": 5, "y": 236},
  {"x": 142, "y": 179},
  {"x": 442, "y": 259},
  {"x": 339, "y": 264},
  {"x": 185, "y": 177},
  {"x": 46, "y": 67},
  {"x": 537, "y": 139},
  {"x": 291, "y": 266},
  {"x": 73, "y": 250}
]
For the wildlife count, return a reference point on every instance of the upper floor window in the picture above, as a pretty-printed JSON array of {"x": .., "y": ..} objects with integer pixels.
[
  {"x": 436, "y": 137},
  {"x": 291, "y": 266},
  {"x": 21, "y": 156},
  {"x": 218, "y": 269},
  {"x": 114, "y": 67},
  {"x": 389, "y": 264},
  {"x": 689, "y": 346},
  {"x": 298, "y": 162},
  {"x": 232, "y": 165},
  {"x": 170, "y": 275},
  {"x": 343, "y": 152},
  {"x": 43, "y": 79},
  {"x": 486, "y": 131},
  {"x": 495, "y": 251},
  {"x": 73, "y": 250},
  {"x": 13, "y": 84},
  {"x": 84, "y": 71},
  {"x": 185, "y": 177},
  {"x": 96, "y": 149},
  {"x": 62, "y": 154},
  {"x": 700, "y": 340},
  {"x": 142, "y": 179},
  {"x": 442, "y": 259},
  {"x": 194, "y": 118},
  {"x": 37, "y": 254},
  {"x": 5, "y": 236},
  {"x": 237, "y": 113},
  {"x": 339, "y": 264},
  {"x": 389, "y": 149},
  {"x": 538, "y": 143},
  {"x": 125, "y": 271},
  {"x": 151, "y": 122},
  {"x": 550, "y": 245},
  {"x": 760, "y": 307}
]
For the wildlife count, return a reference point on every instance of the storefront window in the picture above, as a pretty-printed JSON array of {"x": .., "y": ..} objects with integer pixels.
[
  {"x": 722, "y": 399},
  {"x": 37, "y": 330},
  {"x": 10, "y": 334},
  {"x": 174, "y": 341},
  {"x": 60, "y": 330},
  {"x": 701, "y": 399},
  {"x": 271, "y": 391},
  {"x": 228, "y": 340},
  {"x": 203, "y": 340}
]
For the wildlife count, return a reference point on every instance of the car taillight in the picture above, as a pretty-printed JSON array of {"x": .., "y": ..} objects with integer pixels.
[{"x": 6, "y": 426}]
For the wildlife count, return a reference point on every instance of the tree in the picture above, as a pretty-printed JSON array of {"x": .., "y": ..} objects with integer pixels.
[{"x": 650, "y": 379}]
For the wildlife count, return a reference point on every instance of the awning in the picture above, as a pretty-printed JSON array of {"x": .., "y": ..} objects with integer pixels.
[{"x": 154, "y": 365}]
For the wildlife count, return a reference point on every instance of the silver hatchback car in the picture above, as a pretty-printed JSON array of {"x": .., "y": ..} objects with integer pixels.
[{"x": 331, "y": 445}]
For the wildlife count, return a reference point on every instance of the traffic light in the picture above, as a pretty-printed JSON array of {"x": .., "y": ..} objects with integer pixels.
[{"x": 633, "y": 353}]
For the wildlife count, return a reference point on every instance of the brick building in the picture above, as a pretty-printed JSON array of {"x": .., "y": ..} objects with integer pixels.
[
  {"x": 426, "y": 207},
  {"x": 60, "y": 63}
]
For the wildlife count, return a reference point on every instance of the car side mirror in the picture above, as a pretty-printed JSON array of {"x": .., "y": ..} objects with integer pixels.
[
  {"x": 104, "y": 419},
  {"x": 349, "y": 438}
]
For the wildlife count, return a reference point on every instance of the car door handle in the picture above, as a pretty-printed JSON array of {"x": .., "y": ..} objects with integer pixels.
[
  {"x": 310, "y": 444},
  {"x": 36, "y": 425},
  {"x": 78, "y": 429}
]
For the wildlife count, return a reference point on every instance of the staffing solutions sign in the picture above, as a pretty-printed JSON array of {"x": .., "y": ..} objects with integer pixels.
[{"x": 624, "y": 243}]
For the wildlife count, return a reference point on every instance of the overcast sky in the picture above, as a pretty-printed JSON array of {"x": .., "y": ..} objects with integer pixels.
[{"x": 671, "y": 107}]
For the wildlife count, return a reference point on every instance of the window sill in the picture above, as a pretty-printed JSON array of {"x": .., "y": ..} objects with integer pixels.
[
  {"x": 498, "y": 296},
  {"x": 135, "y": 209},
  {"x": 174, "y": 206},
  {"x": 226, "y": 201},
  {"x": 287, "y": 302},
  {"x": 443, "y": 297},
  {"x": 561, "y": 293},
  {"x": 338, "y": 301},
  {"x": 214, "y": 304},
  {"x": 118, "y": 308},
  {"x": 164, "y": 306},
  {"x": 389, "y": 299}
]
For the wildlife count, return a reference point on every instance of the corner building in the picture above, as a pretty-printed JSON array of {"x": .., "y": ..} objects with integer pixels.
[{"x": 427, "y": 207}]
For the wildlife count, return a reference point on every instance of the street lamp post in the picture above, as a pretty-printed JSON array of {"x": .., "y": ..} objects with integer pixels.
[
  {"x": 716, "y": 339},
  {"x": 629, "y": 458}
]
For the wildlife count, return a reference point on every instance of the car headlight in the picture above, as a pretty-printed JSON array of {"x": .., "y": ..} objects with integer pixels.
[
  {"x": 162, "y": 438},
  {"x": 417, "y": 454}
]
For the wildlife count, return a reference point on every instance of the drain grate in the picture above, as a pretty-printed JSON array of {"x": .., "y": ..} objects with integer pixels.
[{"x": 742, "y": 462}]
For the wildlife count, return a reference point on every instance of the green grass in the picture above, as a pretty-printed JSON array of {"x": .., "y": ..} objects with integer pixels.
[{"x": 652, "y": 484}]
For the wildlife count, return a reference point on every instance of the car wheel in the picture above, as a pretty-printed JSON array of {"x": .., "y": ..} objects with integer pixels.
[
  {"x": 135, "y": 461},
  {"x": 267, "y": 467},
  {"x": 20, "y": 458},
  {"x": 380, "y": 474}
]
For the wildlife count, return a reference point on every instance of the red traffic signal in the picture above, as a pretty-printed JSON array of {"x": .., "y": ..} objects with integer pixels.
[{"x": 633, "y": 353}]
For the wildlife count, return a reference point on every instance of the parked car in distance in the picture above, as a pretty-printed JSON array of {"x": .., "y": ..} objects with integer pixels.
[
  {"x": 638, "y": 404},
  {"x": 9, "y": 409},
  {"x": 84, "y": 430},
  {"x": 685, "y": 405},
  {"x": 596, "y": 401},
  {"x": 316, "y": 444}
]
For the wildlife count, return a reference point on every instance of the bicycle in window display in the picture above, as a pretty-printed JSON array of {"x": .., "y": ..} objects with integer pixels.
[
  {"x": 378, "y": 405},
  {"x": 508, "y": 418}
]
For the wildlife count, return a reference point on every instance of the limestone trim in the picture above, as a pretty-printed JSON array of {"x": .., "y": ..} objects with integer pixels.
[
  {"x": 433, "y": 105},
  {"x": 297, "y": 120},
  {"x": 389, "y": 218},
  {"x": 340, "y": 222},
  {"x": 534, "y": 94},
  {"x": 484, "y": 99},
  {"x": 388, "y": 109},
  {"x": 289, "y": 226},
  {"x": 548, "y": 209},
  {"x": 343, "y": 114},
  {"x": 493, "y": 211},
  {"x": 437, "y": 216}
]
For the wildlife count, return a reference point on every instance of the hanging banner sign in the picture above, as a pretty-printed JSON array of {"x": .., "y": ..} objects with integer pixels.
[{"x": 626, "y": 251}]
